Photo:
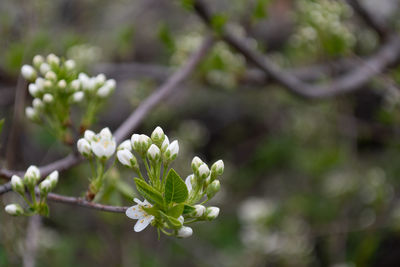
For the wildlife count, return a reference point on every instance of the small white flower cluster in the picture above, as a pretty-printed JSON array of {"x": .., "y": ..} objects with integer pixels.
[
  {"x": 322, "y": 24},
  {"x": 101, "y": 145},
  {"x": 31, "y": 178},
  {"x": 223, "y": 67},
  {"x": 155, "y": 149},
  {"x": 56, "y": 85}
]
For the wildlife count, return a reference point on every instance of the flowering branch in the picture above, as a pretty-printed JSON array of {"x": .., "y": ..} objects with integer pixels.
[
  {"x": 131, "y": 122},
  {"x": 387, "y": 55}
]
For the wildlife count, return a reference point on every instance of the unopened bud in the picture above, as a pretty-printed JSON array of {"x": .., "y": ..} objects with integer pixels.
[
  {"x": 153, "y": 153},
  {"x": 158, "y": 136},
  {"x": 32, "y": 176},
  {"x": 28, "y": 72},
  {"x": 84, "y": 147},
  {"x": 17, "y": 184},
  {"x": 213, "y": 188},
  {"x": 127, "y": 159},
  {"x": 212, "y": 213},
  {"x": 184, "y": 232},
  {"x": 14, "y": 209},
  {"x": 199, "y": 210}
]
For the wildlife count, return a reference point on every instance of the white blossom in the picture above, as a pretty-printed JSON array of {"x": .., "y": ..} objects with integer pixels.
[
  {"x": 38, "y": 60},
  {"x": 127, "y": 158},
  {"x": 104, "y": 91},
  {"x": 13, "y": 209},
  {"x": 203, "y": 171},
  {"x": 37, "y": 103},
  {"x": 75, "y": 85},
  {"x": 89, "y": 135},
  {"x": 218, "y": 167},
  {"x": 78, "y": 96},
  {"x": 44, "y": 68},
  {"x": 165, "y": 144},
  {"x": 30, "y": 113},
  {"x": 70, "y": 64},
  {"x": 28, "y": 72},
  {"x": 62, "y": 84},
  {"x": 153, "y": 153},
  {"x": 33, "y": 89},
  {"x": 103, "y": 144},
  {"x": 53, "y": 59},
  {"x": 84, "y": 147},
  {"x": 17, "y": 184},
  {"x": 200, "y": 210},
  {"x": 138, "y": 213},
  {"x": 105, "y": 133},
  {"x": 184, "y": 232},
  {"x": 212, "y": 213},
  {"x": 125, "y": 145},
  {"x": 51, "y": 76},
  {"x": 188, "y": 182},
  {"x": 53, "y": 178},
  {"x": 48, "y": 98}
]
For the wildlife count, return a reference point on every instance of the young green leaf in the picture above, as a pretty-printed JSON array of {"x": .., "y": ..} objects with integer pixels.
[
  {"x": 176, "y": 210},
  {"x": 175, "y": 188},
  {"x": 149, "y": 192},
  {"x": 188, "y": 209},
  {"x": 171, "y": 221}
]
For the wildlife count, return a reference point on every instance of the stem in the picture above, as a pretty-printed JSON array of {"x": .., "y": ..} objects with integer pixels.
[
  {"x": 165, "y": 167},
  {"x": 148, "y": 171},
  {"x": 166, "y": 232}
]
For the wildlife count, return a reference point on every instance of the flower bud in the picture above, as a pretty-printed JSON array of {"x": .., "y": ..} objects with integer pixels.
[
  {"x": 39, "y": 84},
  {"x": 165, "y": 144},
  {"x": 213, "y": 188},
  {"x": 37, "y": 61},
  {"x": 181, "y": 219},
  {"x": 62, "y": 84},
  {"x": 44, "y": 68},
  {"x": 203, "y": 172},
  {"x": 14, "y": 209},
  {"x": 33, "y": 89},
  {"x": 70, "y": 64},
  {"x": 53, "y": 60},
  {"x": 51, "y": 76},
  {"x": 158, "y": 136},
  {"x": 48, "y": 98},
  {"x": 196, "y": 162},
  {"x": 144, "y": 142},
  {"x": 135, "y": 142},
  {"x": 105, "y": 133},
  {"x": 172, "y": 151},
  {"x": 37, "y": 104},
  {"x": 17, "y": 184},
  {"x": 78, "y": 97},
  {"x": 84, "y": 147},
  {"x": 75, "y": 85},
  {"x": 200, "y": 210},
  {"x": 89, "y": 135},
  {"x": 111, "y": 84},
  {"x": 32, "y": 176},
  {"x": 127, "y": 158},
  {"x": 28, "y": 72},
  {"x": 53, "y": 178},
  {"x": 104, "y": 91},
  {"x": 184, "y": 231},
  {"x": 212, "y": 213},
  {"x": 153, "y": 153},
  {"x": 125, "y": 145},
  {"x": 31, "y": 113},
  {"x": 100, "y": 79},
  {"x": 45, "y": 187},
  {"x": 217, "y": 169}
]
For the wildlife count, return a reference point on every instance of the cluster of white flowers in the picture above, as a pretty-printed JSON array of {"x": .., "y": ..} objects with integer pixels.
[
  {"x": 28, "y": 182},
  {"x": 157, "y": 151},
  {"x": 56, "y": 84},
  {"x": 322, "y": 25},
  {"x": 223, "y": 67},
  {"x": 101, "y": 145}
]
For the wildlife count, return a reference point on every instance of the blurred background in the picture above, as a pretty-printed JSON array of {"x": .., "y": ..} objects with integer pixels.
[{"x": 306, "y": 182}]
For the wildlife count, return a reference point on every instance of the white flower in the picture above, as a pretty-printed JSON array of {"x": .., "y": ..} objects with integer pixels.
[
  {"x": 30, "y": 113},
  {"x": 111, "y": 83},
  {"x": 33, "y": 89},
  {"x": 45, "y": 186},
  {"x": 48, "y": 98},
  {"x": 105, "y": 133},
  {"x": 135, "y": 141},
  {"x": 196, "y": 162},
  {"x": 172, "y": 151},
  {"x": 188, "y": 182},
  {"x": 84, "y": 147},
  {"x": 39, "y": 84},
  {"x": 104, "y": 91},
  {"x": 158, "y": 135},
  {"x": 44, "y": 68},
  {"x": 200, "y": 210},
  {"x": 153, "y": 153},
  {"x": 37, "y": 103},
  {"x": 127, "y": 158},
  {"x": 184, "y": 232},
  {"x": 103, "y": 145},
  {"x": 28, "y": 72},
  {"x": 38, "y": 60},
  {"x": 125, "y": 145},
  {"x": 165, "y": 144},
  {"x": 203, "y": 171},
  {"x": 78, "y": 97},
  {"x": 181, "y": 219},
  {"x": 53, "y": 178},
  {"x": 212, "y": 213},
  {"x": 218, "y": 167},
  {"x": 70, "y": 64},
  {"x": 62, "y": 84},
  {"x": 53, "y": 59},
  {"x": 75, "y": 85},
  {"x": 32, "y": 176},
  {"x": 14, "y": 209},
  {"x": 138, "y": 213},
  {"x": 100, "y": 79},
  {"x": 89, "y": 135},
  {"x": 51, "y": 76},
  {"x": 17, "y": 184}
]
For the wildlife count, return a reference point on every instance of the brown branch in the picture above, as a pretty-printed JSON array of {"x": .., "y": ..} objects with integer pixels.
[
  {"x": 386, "y": 56},
  {"x": 131, "y": 122},
  {"x": 372, "y": 21},
  {"x": 83, "y": 203}
]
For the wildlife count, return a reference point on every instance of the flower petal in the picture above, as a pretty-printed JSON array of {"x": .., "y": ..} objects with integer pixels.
[
  {"x": 143, "y": 222},
  {"x": 189, "y": 183},
  {"x": 135, "y": 212}
]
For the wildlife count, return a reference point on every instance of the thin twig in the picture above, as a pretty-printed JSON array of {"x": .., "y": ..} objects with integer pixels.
[
  {"x": 31, "y": 241},
  {"x": 83, "y": 203},
  {"x": 386, "y": 56}
]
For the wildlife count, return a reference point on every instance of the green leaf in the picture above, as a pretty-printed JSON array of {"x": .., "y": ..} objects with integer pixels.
[
  {"x": 171, "y": 221},
  {"x": 188, "y": 209},
  {"x": 218, "y": 22},
  {"x": 149, "y": 192},
  {"x": 176, "y": 210},
  {"x": 175, "y": 188},
  {"x": 260, "y": 10}
]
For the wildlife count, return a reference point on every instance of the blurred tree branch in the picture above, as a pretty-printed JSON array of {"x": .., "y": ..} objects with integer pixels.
[{"x": 387, "y": 55}]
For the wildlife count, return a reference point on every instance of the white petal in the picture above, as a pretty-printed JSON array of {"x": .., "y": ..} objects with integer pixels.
[
  {"x": 189, "y": 183},
  {"x": 143, "y": 222},
  {"x": 98, "y": 149},
  {"x": 135, "y": 212}
]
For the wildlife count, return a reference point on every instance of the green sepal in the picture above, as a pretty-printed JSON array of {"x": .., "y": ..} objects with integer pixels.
[
  {"x": 188, "y": 209},
  {"x": 171, "y": 221},
  {"x": 148, "y": 192},
  {"x": 175, "y": 188}
]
